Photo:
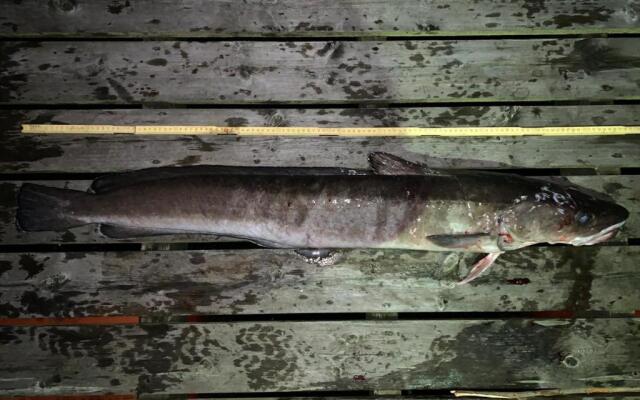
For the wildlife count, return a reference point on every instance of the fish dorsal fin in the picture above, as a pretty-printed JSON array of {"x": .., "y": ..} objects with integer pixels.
[
  {"x": 388, "y": 164},
  {"x": 107, "y": 183}
]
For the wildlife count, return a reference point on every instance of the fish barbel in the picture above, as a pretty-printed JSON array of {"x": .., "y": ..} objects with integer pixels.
[{"x": 401, "y": 205}]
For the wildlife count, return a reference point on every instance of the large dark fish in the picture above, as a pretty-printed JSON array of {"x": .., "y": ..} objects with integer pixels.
[{"x": 401, "y": 205}]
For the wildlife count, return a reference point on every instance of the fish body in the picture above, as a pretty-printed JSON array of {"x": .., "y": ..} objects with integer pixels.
[
  {"x": 370, "y": 211},
  {"x": 411, "y": 209}
]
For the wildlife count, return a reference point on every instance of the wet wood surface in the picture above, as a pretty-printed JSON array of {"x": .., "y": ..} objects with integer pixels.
[
  {"x": 320, "y": 355},
  {"x": 107, "y": 153},
  {"x": 277, "y": 323},
  {"x": 625, "y": 189},
  {"x": 166, "y": 284},
  {"x": 224, "y": 18},
  {"x": 247, "y": 72}
]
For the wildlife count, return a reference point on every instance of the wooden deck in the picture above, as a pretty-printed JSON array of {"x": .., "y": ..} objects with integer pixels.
[{"x": 185, "y": 316}]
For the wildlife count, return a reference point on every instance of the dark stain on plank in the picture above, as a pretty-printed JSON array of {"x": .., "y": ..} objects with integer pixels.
[
  {"x": 158, "y": 62},
  {"x": 116, "y": 6},
  {"x": 534, "y": 7},
  {"x": 36, "y": 303},
  {"x": 582, "y": 17},
  {"x": 102, "y": 93},
  {"x": 236, "y": 121},
  {"x": 189, "y": 160},
  {"x": 612, "y": 188},
  {"x": 68, "y": 237},
  {"x": 336, "y": 53},
  {"x": 30, "y": 265},
  {"x": 427, "y": 27},
  {"x": 265, "y": 356},
  {"x": 121, "y": 91},
  {"x": 11, "y": 82},
  {"x": 595, "y": 55},
  {"x": 463, "y": 116},
  {"x": 136, "y": 361},
  {"x": 361, "y": 93},
  {"x": 21, "y": 149},
  {"x": 419, "y": 58},
  {"x": 8, "y": 193},
  {"x": 270, "y": 357},
  {"x": 188, "y": 294},
  {"x": 61, "y": 6},
  {"x": 323, "y": 51},
  {"x": 5, "y": 266},
  {"x": 582, "y": 278}
]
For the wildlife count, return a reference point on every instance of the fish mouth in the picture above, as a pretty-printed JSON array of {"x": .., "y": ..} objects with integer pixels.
[{"x": 599, "y": 237}]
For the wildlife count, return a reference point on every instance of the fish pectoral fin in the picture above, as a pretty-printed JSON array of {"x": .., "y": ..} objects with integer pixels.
[
  {"x": 464, "y": 241},
  {"x": 388, "y": 164},
  {"x": 123, "y": 232},
  {"x": 479, "y": 267}
]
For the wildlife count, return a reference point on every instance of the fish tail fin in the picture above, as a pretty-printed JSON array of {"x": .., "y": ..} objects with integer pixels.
[{"x": 44, "y": 208}]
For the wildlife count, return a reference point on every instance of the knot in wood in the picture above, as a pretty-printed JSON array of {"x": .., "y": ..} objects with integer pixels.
[{"x": 570, "y": 361}]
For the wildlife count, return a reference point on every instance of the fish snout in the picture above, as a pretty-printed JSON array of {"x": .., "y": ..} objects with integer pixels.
[
  {"x": 603, "y": 238},
  {"x": 599, "y": 237}
]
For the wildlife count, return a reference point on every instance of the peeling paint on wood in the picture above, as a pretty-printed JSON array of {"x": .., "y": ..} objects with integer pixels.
[
  {"x": 292, "y": 356},
  {"x": 166, "y": 284},
  {"x": 144, "y": 18},
  {"x": 624, "y": 189},
  {"x": 306, "y": 72}
]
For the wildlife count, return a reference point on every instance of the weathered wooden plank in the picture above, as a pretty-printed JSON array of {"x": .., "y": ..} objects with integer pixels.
[
  {"x": 292, "y": 356},
  {"x": 167, "y": 284},
  {"x": 625, "y": 189},
  {"x": 38, "y": 18},
  {"x": 319, "y": 72},
  {"x": 21, "y": 153}
]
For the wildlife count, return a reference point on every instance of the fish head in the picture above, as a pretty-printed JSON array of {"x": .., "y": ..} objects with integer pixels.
[{"x": 564, "y": 214}]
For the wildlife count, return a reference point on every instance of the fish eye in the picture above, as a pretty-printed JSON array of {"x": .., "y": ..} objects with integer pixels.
[{"x": 583, "y": 218}]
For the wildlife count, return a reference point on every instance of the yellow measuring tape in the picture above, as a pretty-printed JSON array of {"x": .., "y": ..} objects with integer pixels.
[{"x": 322, "y": 131}]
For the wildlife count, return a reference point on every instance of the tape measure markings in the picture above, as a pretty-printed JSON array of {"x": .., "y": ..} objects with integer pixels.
[{"x": 322, "y": 131}]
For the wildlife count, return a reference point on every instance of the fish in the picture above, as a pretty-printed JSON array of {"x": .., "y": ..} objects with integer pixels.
[{"x": 396, "y": 204}]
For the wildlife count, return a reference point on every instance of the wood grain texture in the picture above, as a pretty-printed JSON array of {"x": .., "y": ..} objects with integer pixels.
[
  {"x": 624, "y": 189},
  {"x": 227, "y": 18},
  {"x": 319, "y": 72},
  {"x": 21, "y": 153},
  {"x": 292, "y": 356},
  {"x": 174, "y": 283}
]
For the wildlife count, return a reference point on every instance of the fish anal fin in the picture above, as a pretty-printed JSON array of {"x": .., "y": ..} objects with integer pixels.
[
  {"x": 479, "y": 267},
  {"x": 122, "y": 232},
  {"x": 388, "y": 164}
]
